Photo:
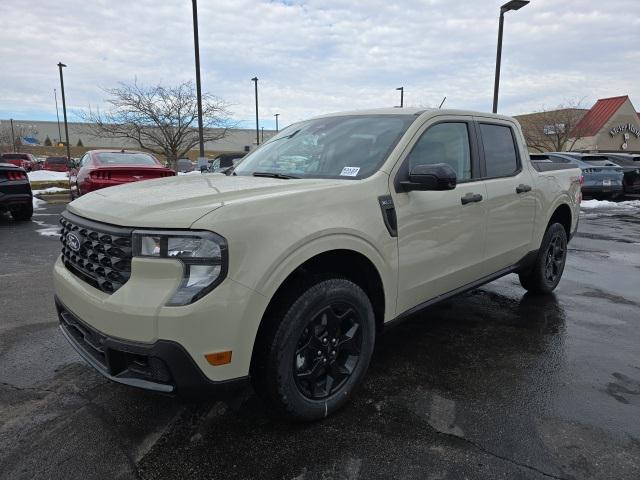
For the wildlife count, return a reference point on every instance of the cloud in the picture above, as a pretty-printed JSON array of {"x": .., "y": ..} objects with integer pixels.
[{"x": 315, "y": 56}]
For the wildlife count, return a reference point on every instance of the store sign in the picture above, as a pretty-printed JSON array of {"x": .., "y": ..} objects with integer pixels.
[{"x": 627, "y": 127}]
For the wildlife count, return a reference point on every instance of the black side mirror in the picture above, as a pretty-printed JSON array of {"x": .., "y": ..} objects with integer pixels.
[{"x": 439, "y": 176}]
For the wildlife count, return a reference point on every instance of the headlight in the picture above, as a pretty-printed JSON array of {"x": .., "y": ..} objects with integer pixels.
[{"x": 203, "y": 254}]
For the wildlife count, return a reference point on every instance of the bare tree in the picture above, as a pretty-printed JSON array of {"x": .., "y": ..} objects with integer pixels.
[
  {"x": 553, "y": 130},
  {"x": 159, "y": 119}
]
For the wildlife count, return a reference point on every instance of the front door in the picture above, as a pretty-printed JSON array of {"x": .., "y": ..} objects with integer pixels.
[{"x": 440, "y": 239}]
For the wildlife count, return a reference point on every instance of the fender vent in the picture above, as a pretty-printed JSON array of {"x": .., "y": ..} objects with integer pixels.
[{"x": 389, "y": 214}]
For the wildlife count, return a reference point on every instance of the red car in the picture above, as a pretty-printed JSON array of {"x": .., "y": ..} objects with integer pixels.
[
  {"x": 56, "y": 164},
  {"x": 23, "y": 160},
  {"x": 107, "y": 168}
]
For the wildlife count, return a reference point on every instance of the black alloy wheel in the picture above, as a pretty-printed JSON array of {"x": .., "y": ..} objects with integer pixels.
[
  {"x": 315, "y": 348},
  {"x": 328, "y": 351},
  {"x": 545, "y": 273},
  {"x": 555, "y": 257}
]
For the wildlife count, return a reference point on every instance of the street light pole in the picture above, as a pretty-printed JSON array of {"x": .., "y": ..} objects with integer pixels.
[
  {"x": 198, "y": 86},
  {"x": 55, "y": 96},
  {"x": 13, "y": 137},
  {"x": 512, "y": 5},
  {"x": 401, "y": 96},
  {"x": 277, "y": 115},
  {"x": 64, "y": 110},
  {"x": 255, "y": 79}
]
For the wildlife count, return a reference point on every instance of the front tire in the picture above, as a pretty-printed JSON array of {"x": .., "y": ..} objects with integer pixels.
[
  {"x": 318, "y": 352},
  {"x": 547, "y": 270}
]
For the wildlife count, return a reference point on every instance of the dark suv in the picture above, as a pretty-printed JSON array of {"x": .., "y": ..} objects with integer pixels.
[{"x": 631, "y": 167}]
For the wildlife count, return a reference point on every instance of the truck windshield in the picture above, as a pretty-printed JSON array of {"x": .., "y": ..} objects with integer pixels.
[{"x": 348, "y": 147}]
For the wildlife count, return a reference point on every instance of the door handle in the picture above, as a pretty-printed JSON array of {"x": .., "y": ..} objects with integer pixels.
[
  {"x": 522, "y": 188},
  {"x": 470, "y": 198}
]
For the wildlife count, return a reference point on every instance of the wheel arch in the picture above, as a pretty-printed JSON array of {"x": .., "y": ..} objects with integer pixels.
[
  {"x": 340, "y": 262},
  {"x": 562, "y": 215}
]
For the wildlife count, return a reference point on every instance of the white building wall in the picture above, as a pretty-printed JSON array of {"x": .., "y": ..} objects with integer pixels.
[{"x": 235, "y": 141}]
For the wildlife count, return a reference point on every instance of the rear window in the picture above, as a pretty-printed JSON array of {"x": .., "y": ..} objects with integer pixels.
[
  {"x": 118, "y": 158},
  {"x": 499, "y": 150},
  {"x": 57, "y": 160},
  {"x": 15, "y": 156}
]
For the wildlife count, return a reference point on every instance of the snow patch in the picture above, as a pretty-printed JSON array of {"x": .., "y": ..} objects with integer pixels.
[
  {"x": 38, "y": 204},
  {"x": 609, "y": 205},
  {"x": 47, "y": 175},
  {"x": 48, "y": 230},
  {"x": 195, "y": 172},
  {"x": 50, "y": 190}
]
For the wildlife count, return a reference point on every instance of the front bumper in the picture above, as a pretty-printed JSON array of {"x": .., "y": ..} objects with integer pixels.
[
  {"x": 163, "y": 366},
  {"x": 226, "y": 319}
]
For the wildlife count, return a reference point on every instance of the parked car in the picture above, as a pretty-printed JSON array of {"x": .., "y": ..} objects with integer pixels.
[
  {"x": 22, "y": 160},
  {"x": 631, "y": 167},
  {"x": 38, "y": 163},
  {"x": 602, "y": 177},
  {"x": 184, "y": 165},
  {"x": 106, "y": 168},
  {"x": 286, "y": 272},
  {"x": 226, "y": 161},
  {"x": 15, "y": 192},
  {"x": 56, "y": 164}
]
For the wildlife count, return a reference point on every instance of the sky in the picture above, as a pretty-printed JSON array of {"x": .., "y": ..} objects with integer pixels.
[{"x": 319, "y": 56}]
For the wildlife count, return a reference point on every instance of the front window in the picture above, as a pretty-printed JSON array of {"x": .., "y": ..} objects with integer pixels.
[
  {"x": 124, "y": 158},
  {"x": 15, "y": 156},
  {"x": 444, "y": 143},
  {"x": 348, "y": 147}
]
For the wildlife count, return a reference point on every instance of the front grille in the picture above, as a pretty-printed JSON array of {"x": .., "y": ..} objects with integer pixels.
[{"x": 101, "y": 256}]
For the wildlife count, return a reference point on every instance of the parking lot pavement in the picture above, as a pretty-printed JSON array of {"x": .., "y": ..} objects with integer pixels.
[{"x": 494, "y": 383}]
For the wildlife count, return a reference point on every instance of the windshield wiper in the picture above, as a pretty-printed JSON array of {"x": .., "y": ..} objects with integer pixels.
[{"x": 274, "y": 175}]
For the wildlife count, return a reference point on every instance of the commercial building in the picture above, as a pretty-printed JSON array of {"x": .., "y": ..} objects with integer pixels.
[
  {"x": 610, "y": 125},
  {"x": 236, "y": 140}
]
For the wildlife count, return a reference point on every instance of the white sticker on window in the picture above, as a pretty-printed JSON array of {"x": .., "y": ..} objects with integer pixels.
[{"x": 349, "y": 171}]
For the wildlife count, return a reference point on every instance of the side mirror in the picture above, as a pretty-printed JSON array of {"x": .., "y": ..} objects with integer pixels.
[
  {"x": 71, "y": 164},
  {"x": 439, "y": 176}
]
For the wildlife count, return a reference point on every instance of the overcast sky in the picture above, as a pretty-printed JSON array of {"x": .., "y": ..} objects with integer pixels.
[{"x": 319, "y": 56}]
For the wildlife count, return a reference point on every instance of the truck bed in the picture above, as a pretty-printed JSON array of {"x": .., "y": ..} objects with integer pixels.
[{"x": 542, "y": 163}]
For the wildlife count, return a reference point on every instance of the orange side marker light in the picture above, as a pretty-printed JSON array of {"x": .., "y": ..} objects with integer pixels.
[{"x": 219, "y": 358}]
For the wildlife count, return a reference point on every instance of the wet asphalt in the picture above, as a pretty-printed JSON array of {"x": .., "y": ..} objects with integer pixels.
[{"x": 494, "y": 383}]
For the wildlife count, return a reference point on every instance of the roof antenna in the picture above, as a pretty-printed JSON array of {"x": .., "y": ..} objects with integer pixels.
[{"x": 442, "y": 103}]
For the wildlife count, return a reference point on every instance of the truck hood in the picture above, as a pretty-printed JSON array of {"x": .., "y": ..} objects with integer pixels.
[{"x": 177, "y": 202}]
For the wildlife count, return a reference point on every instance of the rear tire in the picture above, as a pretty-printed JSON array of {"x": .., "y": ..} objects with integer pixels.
[
  {"x": 545, "y": 274},
  {"x": 23, "y": 212},
  {"x": 317, "y": 350}
]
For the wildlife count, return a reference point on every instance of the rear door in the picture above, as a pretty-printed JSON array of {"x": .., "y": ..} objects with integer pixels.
[
  {"x": 511, "y": 198},
  {"x": 440, "y": 239}
]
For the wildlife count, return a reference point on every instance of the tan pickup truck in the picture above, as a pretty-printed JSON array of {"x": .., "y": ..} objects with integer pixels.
[{"x": 286, "y": 270}]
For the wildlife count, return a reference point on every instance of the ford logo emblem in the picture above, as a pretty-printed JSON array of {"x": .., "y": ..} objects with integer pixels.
[{"x": 73, "y": 242}]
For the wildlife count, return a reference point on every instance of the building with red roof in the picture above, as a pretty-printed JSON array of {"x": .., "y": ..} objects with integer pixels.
[{"x": 610, "y": 125}]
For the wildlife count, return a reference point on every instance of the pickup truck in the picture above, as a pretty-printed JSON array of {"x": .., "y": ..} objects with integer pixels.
[{"x": 284, "y": 271}]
